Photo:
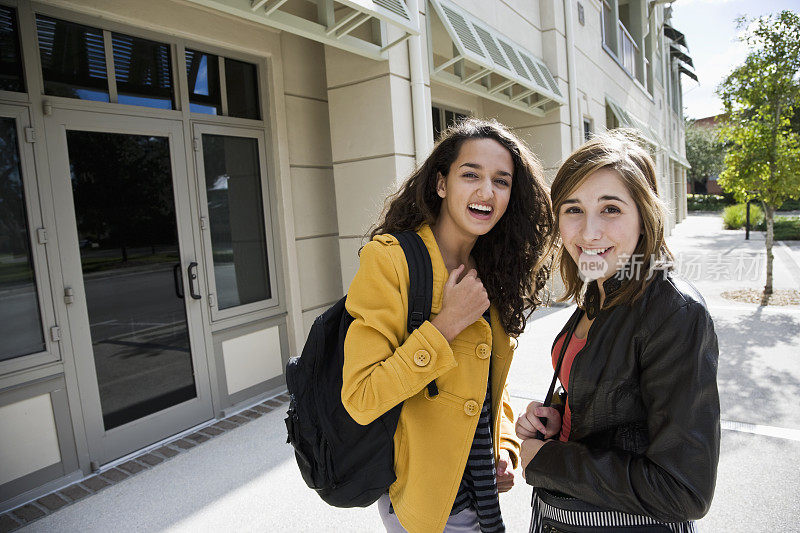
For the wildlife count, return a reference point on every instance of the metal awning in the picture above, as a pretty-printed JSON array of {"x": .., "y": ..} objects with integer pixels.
[
  {"x": 677, "y": 53},
  {"x": 683, "y": 61},
  {"x": 626, "y": 120},
  {"x": 466, "y": 53},
  {"x": 683, "y": 70},
  {"x": 678, "y": 158},
  {"x": 358, "y": 26},
  {"x": 675, "y": 35}
]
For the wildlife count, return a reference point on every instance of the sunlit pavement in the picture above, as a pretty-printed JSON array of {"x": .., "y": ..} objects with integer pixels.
[{"x": 246, "y": 479}]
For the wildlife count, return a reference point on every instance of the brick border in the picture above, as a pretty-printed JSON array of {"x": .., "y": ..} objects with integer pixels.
[{"x": 50, "y": 503}]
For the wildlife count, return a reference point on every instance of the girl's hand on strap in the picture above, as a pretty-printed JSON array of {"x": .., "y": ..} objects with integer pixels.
[
  {"x": 463, "y": 303},
  {"x": 528, "y": 422}
]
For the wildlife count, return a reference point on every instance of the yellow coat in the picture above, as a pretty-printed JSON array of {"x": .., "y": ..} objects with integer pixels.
[{"x": 384, "y": 366}]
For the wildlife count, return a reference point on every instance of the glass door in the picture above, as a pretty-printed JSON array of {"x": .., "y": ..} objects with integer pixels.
[{"x": 131, "y": 277}]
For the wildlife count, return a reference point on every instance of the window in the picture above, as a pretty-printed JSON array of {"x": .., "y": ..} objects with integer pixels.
[
  {"x": 202, "y": 71},
  {"x": 622, "y": 36},
  {"x": 236, "y": 215},
  {"x": 587, "y": 129},
  {"x": 609, "y": 35},
  {"x": 612, "y": 121},
  {"x": 143, "y": 72},
  {"x": 74, "y": 65},
  {"x": 205, "y": 95},
  {"x": 10, "y": 62},
  {"x": 443, "y": 119},
  {"x": 73, "y": 59},
  {"x": 241, "y": 85}
]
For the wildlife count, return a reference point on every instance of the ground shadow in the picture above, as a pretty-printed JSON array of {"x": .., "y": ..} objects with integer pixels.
[{"x": 759, "y": 367}]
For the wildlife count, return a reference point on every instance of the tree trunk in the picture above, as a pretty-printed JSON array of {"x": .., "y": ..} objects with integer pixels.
[
  {"x": 769, "y": 209},
  {"x": 769, "y": 213}
]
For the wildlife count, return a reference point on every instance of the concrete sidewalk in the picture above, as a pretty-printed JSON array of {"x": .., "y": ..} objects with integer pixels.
[{"x": 245, "y": 479}]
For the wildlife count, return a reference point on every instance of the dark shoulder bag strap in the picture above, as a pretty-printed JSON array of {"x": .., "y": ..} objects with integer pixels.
[
  {"x": 549, "y": 398},
  {"x": 420, "y": 294}
]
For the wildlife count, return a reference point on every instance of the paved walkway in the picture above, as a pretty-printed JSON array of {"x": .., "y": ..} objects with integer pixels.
[{"x": 245, "y": 479}]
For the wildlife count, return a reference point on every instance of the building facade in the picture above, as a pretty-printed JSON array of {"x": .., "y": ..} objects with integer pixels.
[{"x": 185, "y": 184}]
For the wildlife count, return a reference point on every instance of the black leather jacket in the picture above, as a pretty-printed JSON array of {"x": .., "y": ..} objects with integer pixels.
[{"x": 645, "y": 409}]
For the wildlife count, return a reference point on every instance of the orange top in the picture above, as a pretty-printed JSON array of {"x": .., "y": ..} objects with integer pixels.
[{"x": 575, "y": 346}]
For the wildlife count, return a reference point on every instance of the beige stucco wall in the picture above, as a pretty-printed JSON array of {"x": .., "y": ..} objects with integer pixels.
[
  {"x": 372, "y": 140},
  {"x": 313, "y": 195}
]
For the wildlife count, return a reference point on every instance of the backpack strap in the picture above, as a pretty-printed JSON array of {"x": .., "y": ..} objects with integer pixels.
[{"x": 420, "y": 294}]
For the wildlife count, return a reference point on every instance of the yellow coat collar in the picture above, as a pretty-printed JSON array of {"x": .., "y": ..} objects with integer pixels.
[{"x": 440, "y": 275}]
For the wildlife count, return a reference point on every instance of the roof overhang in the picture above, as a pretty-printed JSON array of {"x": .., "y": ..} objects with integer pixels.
[
  {"x": 358, "y": 26},
  {"x": 466, "y": 53},
  {"x": 627, "y": 120}
]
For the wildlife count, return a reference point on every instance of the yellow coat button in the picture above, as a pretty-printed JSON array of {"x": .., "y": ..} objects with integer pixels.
[
  {"x": 422, "y": 358},
  {"x": 471, "y": 407},
  {"x": 483, "y": 351}
]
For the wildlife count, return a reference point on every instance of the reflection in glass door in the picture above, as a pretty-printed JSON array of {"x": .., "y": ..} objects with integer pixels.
[
  {"x": 128, "y": 238},
  {"x": 236, "y": 213},
  {"x": 20, "y": 316},
  {"x": 233, "y": 188}
]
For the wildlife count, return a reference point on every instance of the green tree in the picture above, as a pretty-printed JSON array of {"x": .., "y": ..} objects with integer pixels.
[
  {"x": 761, "y": 97},
  {"x": 704, "y": 150}
]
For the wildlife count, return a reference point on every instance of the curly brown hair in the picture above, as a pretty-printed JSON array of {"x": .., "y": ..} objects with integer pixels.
[{"x": 509, "y": 256}]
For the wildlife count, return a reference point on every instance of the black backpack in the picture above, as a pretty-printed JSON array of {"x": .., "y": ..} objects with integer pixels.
[{"x": 349, "y": 465}]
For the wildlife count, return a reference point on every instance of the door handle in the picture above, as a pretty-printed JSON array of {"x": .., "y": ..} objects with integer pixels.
[
  {"x": 176, "y": 276},
  {"x": 192, "y": 271}
]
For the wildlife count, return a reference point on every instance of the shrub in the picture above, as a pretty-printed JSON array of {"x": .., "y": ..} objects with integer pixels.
[
  {"x": 790, "y": 205},
  {"x": 787, "y": 229},
  {"x": 706, "y": 202},
  {"x": 734, "y": 216}
]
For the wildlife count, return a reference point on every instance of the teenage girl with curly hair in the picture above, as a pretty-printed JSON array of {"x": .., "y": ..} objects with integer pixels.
[{"x": 481, "y": 206}]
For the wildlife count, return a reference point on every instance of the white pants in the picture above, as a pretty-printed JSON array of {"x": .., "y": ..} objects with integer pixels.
[{"x": 464, "y": 522}]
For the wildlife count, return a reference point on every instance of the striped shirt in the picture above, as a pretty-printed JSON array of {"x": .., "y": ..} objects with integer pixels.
[
  {"x": 612, "y": 520},
  {"x": 478, "y": 487}
]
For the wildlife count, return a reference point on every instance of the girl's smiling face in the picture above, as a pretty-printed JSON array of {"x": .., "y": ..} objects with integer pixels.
[
  {"x": 600, "y": 225},
  {"x": 476, "y": 191}
]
